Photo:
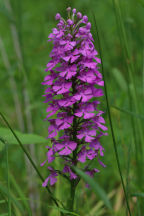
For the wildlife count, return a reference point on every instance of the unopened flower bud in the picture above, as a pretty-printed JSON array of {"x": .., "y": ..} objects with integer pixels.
[
  {"x": 79, "y": 15},
  {"x": 88, "y": 25},
  {"x": 74, "y": 11},
  {"x": 58, "y": 16},
  {"x": 68, "y": 9},
  {"x": 85, "y": 18}
]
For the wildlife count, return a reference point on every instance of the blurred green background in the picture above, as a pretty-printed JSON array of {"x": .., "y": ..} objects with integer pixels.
[{"x": 24, "y": 53}]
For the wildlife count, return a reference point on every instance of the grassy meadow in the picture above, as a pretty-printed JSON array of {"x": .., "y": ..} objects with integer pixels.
[{"x": 118, "y": 31}]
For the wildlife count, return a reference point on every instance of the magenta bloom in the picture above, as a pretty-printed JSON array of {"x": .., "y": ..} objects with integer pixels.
[
  {"x": 73, "y": 85},
  {"x": 51, "y": 178}
]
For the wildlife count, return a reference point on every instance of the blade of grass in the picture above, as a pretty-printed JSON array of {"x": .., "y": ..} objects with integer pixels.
[
  {"x": 95, "y": 186},
  {"x": 128, "y": 170},
  {"x": 20, "y": 193},
  {"x": 128, "y": 112},
  {"x": 4, "y": 190},
  {"x": 110, "y": 119},
  {"x": 143, "y": 73},
  {"x": 100, "y": 204},
  {"x": 13, "y": 85},
  {"x": 8, "y": 180}
]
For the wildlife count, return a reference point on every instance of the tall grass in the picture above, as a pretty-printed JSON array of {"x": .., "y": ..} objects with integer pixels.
[
  {"x": 133, "y": 97},
  {"x": 110, "y": 118}
]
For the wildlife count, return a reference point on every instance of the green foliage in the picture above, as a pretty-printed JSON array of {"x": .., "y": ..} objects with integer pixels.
[{"x": 6, "y": 134}]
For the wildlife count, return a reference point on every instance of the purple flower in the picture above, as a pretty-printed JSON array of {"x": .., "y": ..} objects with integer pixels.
[
  {"x": 86, "y": 134},
  {"x": 70, "y": 22},
  {"x": 64, "y": 123},
  {"x": 67, "y": 71},
  {"x": 67, "y": 44},
  {"x": 71, "y": 56},
  {"x": 66, "y": 102},
  {"x": 67, "y": 169},
  {"x": 86, "y": 153},
  {"x": 66, "y": 146},
  {"x": 95, "y": 144},
  {"x": 52, "y": 130},
  {"x": 86, "y": 110},
  {"x": 61, "y": 87},
  {"x": 51, "y": 178},
  {"x": 73, "y": 82}
]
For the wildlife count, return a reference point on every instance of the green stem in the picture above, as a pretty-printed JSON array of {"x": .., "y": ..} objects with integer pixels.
[
  {"x": 73, "y": 182},
  {"x": 73, "y": 189}
]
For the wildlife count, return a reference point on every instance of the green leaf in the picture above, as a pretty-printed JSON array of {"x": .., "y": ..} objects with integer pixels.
[
  {"x": 6, "y": 134},
  {"x": 95, "y": 186}
]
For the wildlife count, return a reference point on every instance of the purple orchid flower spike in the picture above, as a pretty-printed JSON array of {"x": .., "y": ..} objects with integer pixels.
[{"x": 73, "y": 85}]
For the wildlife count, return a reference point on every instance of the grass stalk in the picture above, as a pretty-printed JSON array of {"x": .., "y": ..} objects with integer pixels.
[
  {"x": 110, "y": 119},
  {"x": 21, "y": 194},
  {"x": 8, "y": 181},
  {"x": 13, "y": 86},
  {"x": 143, "y": 71}
]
